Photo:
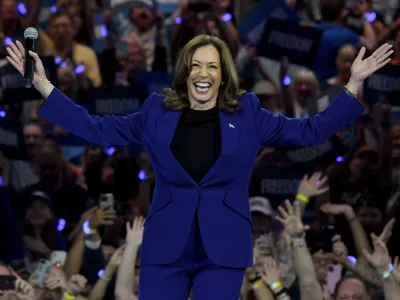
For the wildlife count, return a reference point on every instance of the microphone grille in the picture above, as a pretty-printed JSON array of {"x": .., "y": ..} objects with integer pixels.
[{"x": 31, "y": 32}]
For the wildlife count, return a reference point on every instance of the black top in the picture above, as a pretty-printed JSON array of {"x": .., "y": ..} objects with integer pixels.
[{"x": 197, "y": 141}]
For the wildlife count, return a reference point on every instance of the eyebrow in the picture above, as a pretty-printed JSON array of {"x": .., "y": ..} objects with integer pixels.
[{"x": 211, "y": 62}]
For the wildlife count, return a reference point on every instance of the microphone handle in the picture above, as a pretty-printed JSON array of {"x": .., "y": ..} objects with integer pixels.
[{"x": 29, "y": 63}]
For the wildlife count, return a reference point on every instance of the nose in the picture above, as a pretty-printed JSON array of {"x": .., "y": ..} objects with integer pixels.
[{"x": 203, "y": 71}]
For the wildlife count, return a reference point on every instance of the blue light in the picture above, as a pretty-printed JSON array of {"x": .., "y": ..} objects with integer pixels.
[
  {"x": 370, "y": 16},
  {"x": 339, "y": 159},
  {"x": 110, "y": 151},
  {"x": 226, "y": 17},
  {"x": 178, "y": 20},
  {"x": 286, "y": 81},
  {"x": 142, "y": 175},
  {"x": 63, "y": 64},
  {"x": 53, "y": 9},
  {"x": 352, "y": 259},
  {"x": 22, "y": 9},
  {"x": 318, "y": 182},
  {"x": 79, "y": 69},
  {"x": 61, "y": 225},
  {"x": 57, "y": 60},
  {"x": 1, "y": 181},
  {"x": 86, "y": 228},
  {"x": 2, "y": 114},
  {"x": 7, "y": 41},
  {"x": 391, "y": 267},
  {"x": 103, "y": 31},
  {"x": 100, "y": 273}
]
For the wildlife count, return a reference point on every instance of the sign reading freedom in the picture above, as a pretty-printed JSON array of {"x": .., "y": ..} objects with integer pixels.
[{"x": 286, "y": 38}]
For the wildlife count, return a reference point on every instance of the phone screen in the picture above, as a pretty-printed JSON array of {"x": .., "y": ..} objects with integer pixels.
[
  {"x": 42, "y": 272},
  {"x": 106, "y": 201},
  {"x": 7, "y": 282}
]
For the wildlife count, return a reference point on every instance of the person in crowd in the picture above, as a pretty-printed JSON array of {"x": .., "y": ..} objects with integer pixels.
[
  {"x": 60, "y": 41},
  {"x": 69, "y": 199},
  {"x": 345, "y": 57},
  {"x": 268, "y": 94},
  {"x": 40, "y": 235},
  {"x": 205, "y": 82}
]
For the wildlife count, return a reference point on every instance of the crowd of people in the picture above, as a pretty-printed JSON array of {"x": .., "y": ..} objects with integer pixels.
[{"x": 323, "y": 217}]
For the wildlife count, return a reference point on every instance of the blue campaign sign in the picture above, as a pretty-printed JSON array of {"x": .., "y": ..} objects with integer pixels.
[
  {"x": 290, "y": 39},
  {"x": 11, "y": 138},
  {"x": 252, "y": 27},
  {"x": 13, "y": 83},
  {"x": 383, "y": 85},
  {"x": 117, "y": 100}
]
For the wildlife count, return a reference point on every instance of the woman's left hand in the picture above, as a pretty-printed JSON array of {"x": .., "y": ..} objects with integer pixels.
[{"x": 362, "y": 68}]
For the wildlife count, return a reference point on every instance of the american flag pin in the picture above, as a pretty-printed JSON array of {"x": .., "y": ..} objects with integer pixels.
[{"x": 231, "y": 126}]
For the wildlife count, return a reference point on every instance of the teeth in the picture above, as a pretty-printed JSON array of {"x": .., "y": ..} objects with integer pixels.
[{"x": 204, "y": 85}]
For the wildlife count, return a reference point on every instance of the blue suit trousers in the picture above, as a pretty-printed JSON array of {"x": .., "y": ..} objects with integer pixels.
[{"x": 193, "y": 271}]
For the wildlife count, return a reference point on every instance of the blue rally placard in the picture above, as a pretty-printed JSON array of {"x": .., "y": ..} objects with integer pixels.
[{"x": 286, "y": 38}]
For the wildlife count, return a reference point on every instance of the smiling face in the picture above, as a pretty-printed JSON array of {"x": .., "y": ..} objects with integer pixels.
[{"x": 204, "y": 79}]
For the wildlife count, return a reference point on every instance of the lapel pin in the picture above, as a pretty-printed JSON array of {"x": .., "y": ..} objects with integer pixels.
[{"x": 231, "y": 126}]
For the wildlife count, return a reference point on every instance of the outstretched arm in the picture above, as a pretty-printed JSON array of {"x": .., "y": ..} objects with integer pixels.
[{"x": 280, "y": 130}]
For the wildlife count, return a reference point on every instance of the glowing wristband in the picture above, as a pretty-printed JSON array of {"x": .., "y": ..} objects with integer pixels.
[
  {"x": 87, "y": 230},
  {"x": 68, "y": 296},
  {"x": 386, "y": 274},
  {"x": 258, "y": 283},
  {"x": 275, "y": 285},
  {"x": 303, "y": 198}
]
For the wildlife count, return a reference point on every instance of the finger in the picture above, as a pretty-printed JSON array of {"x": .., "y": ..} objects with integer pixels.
[
  {"x": 35, "y": 56},
  {"x": 297, "y": 209},
  {"x": 20, "y": 48},
  {"x": 383, "y": 51},
  {"x": 280, "y": 220},
  {"x": 361, "y": 54},
  {"x": 336, "y": 238},
  {"x": 388, "y": 228},
  {"x": 128, "y": 226},
  {"x": 396, "y": 262},
  {"x": 383, "y": 64},
  {"x": 377, "y": 51},
  {"x": 367, "y": 255},
  {"x": 316, "y": 176},
  {"x": 16, "y": 50},
  {"x": 289, "y": 207},
  {"x": 322, "y": 191},
  {"x": 384, "y": 57},
  {"x": 283, "y": 212},
  {"x": 13, "y": 55},
  {"x": 323, "y": 180},
  {"x": 306, "y": 228}
]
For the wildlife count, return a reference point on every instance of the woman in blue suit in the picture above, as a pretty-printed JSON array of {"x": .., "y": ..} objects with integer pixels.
[{"x": 202, "y": 137}]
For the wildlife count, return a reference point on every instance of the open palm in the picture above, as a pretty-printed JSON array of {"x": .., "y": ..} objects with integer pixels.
[
  {"x": 16, "y": 57},
  {"x": 362, "y": 68}
]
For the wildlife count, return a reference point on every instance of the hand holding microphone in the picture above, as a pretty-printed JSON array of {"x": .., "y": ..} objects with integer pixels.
[{"x": 28, "y": 63}]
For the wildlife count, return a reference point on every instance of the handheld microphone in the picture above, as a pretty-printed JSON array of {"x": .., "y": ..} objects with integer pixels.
[{"x": 30, "y": 35}]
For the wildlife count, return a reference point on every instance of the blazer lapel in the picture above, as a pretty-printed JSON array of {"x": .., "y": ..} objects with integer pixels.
[
  {"x": 166, "y": 126},
  {"x": 230, "y": 126}
]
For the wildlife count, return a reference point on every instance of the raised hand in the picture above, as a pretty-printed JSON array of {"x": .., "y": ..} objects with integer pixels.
[
  {"x": 362, "y": 68},
  {"x": 380, "y": 258},
  {"x": 291, "y": 219},
  {"x": 134, "y": 233},
  {"x": 271, "y": 271},
  {"x": 16, "y": 57},
  {"x": 313, "y": 185},
  {"x": 102, "y": 217},
  {"x": 23, "y": 290},
  {"x": 387, "y": 231},
  {"x": 76, "y": 284},
  {"x": 116, "y": 258},
  {"x": 56, "y": 280}
]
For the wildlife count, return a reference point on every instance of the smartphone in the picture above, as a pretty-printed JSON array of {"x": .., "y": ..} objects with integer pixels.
[
  {"x": 7, "y": 282},
  {"x": 42, "y": 272},
  {"x": 333, "y": 276},
  {"x": 106, "y": 201},
  {"x": 58, "y": 258}
]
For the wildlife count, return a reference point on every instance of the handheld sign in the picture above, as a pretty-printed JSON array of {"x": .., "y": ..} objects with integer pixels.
[
  {"x": 117, "y": 100},
  {"x": 286, "y": 38},
  {"x": 252, "y": 27},
  {"x": 11, "y": 138},
  {"x": 384, "y": 83}
]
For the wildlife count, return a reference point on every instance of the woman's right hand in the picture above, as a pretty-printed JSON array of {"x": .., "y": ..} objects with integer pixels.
[{"x": 16, "y": 57}]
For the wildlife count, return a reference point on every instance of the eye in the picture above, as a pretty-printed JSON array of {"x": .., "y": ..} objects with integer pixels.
[
  {"x": 213, "y": 67},
  {"x": 195, "y": 65}
]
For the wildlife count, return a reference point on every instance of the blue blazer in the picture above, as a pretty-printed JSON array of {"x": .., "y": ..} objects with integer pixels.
[{"x": 221, "y": 198}]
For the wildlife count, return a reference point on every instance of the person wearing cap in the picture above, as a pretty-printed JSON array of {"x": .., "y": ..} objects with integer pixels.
[
  {"x": 261, "y": 215},
  {"x": 40, "y": 232}
]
